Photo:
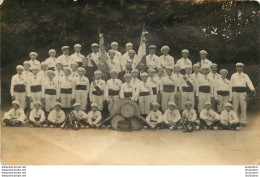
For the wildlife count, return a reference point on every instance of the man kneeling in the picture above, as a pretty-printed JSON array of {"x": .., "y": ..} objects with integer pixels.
[
  {"x": 37, "y": 116},
  {"x": 228, "y": 118},
  {"x": 94, "y": 116},
  {"x": 189, "y": 118},
  {"x": 57, "y": 116},
  {"x": 15, "y": 116}
]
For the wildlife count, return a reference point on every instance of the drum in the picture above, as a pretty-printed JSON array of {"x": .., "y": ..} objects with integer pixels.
[
  {"x": 136, "y": 124},
  {"x": 127, "y": 110},
  {"x": 115, "y": 120}
]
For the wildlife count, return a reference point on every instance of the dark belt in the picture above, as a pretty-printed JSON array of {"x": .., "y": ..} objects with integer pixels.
[
  {"x": 113, "y": 92},
  {"x": 168, "y": 88},
  {"x": 128, "y": 94},
  {"x": 79, "y": 64},
  {"x": 66, "y": 90},
  {"x": 144, "y": 93},
  {"x": 81, "y": 87},
  {"x": 51, "y": 68},
  {"x": 37, "y": 118},
  {"x": 153, "y": 120},
  {"x": 154, "y": 91},
  {"x": 20, "y": 88},
  {"x": 204, "y": 89},
  {"x": 239, "y": 89},
  {"x": 97, "y": 93},
  {"x": 178, "y": 89},
  {"x": 36, "y": 88},
  {"x": 223, "y": 93},
  {"x": 50, "y": 91},
  {"x": 187, "y": 89}
]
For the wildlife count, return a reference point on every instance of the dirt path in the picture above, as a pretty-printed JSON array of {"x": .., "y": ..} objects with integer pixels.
[{"x": 51, "y": 146}]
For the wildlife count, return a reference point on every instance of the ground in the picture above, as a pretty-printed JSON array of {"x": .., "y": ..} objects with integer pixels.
[{"x": 52, "y": 146}]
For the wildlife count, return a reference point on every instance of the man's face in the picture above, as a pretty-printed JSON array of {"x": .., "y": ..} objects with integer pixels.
[
  {"x": 152, "y": 51},
  {"x": 239, "y": 68},
  {"x": 171, "y": 107},
  {"x": 94, "y": 49},
  {"x": 65, "y": 51},
  {"x": 101, "y": 66},
  {"x": 165, "y": 51},
  {"x": 77, "y": 49},
  {"x": 144, "y": 78},
  {"x": 112, "y": 55},
  {"x": 131, "y": 55},
  {"x": 15, "y": 106},
  {"x": 74, "y": 67},
  {"x": 37, "y": 106},
  {"x": 52, "y": 54},
  {"x": 188, "y": 70},
  {"x": 134, "y": 74},
  {"x": 57, "y": 107},
  {"x": 129, "y": 48},
  {"x": 151, "y": 74},
  {"x": 155, "y": 108},
  {"x": 128, "y": 66},
  {"x": 160, "y": 73},
  {"x": 128, "y": 79},
  {"x": 19, "y": 71},
  {"x": 84, "y": 61},
  {"x": 142, "y": 66},
  {"x": 207, "y": 107},
  {"x": 81, "y": 73},
  {"x": 203, "y": 56},
  {"x": 97, "y": 76},
  {"x": 188, "y": 107},
  {"x": 176, "y": 70},
  {"x": 114, "y": 47},
  {"x": 66, "y": 72},
  {"x": 35, "y": 71},
  {"x": 196, "y": 69},
  {"x": 113, "y": 75},
  {"x": 205, "y": 71},
  {"x": 77, "y": 108},
  {"x": 185, "y": 54},
  {"x": 59, "y": 66},
  {"x": 32, "y": 57},
  {"x": 26, "y": 67},
  {"x": 228, "y": 108},
  {"x": 223, "y": 75},
  {"x": 94, "y": 109},
  {"x": 44, "y": 67},
  {"x": 50, "y": 75},
  {"x": 169, "y": 72},
  {"x": 214, "y": 69}
]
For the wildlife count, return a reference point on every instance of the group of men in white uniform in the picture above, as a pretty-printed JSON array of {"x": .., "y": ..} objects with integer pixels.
[{"x": 146, "y": 80}]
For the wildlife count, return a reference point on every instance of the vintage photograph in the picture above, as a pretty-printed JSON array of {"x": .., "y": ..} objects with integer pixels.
[{"x": 120, "y": 82}]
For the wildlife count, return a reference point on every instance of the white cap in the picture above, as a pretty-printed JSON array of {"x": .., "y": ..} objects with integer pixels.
[
  {"x": 74, "y": 63},
  {"x": 228, "y": 105},
  {"x": 94, "y": 105},
  {"x": 171, "y": 103},
  {"x": 97, "y": 72},
  {"x": 50, "y": 71},
  {"x": 240, "y": 64},
  {"x": 152, "y": 47},
  {"x": 113, "y": 71},
  {"x": 127, "y": 75},
  {"x": 27, "y": 63},
  {"x": 154, "y": 103},
  {"x": 134, "y": 71},
  {"x": 35, "y": 68},
  {"x": 203, "y": 52},
  {"x": 57, "y": 104},
  {"x": 207, "y": 103},
  {"x": 65, "y": 47},
  {"x": 33, "y": 53},
  {"x": 111, "y": 51},
  {"x": 67, "y": 68},
  {"x": 94, "y": 45},
  {"x": 150, "y": 70},
  {"x": 144, "y": 74},
  {"x": 37, "y": 102},
  {"x": 81, "y": 69},
  {"x": 77, "y": 45},
  {"x": 185, "y": 51},
  {"x": 168, "y": 67},
  {"x": 114, "y": 43},
  {"x": 223, "y": 71},
  {"x": 129, "y": 44},
  {"x": 176, "y": 66},
  {"x": 52, "y": 50},
  {"x": 76, "y": 104},
  {"x": 16, "y": 102},
  {"x": 19, "y": 67},
  {"x": 131, "y": 51},
  {"x": 44, "y": 63},
  {"x": 165, "y": 47}
]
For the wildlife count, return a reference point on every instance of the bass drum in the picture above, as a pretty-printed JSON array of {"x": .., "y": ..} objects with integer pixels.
[
  {"x": 136, "y": 124},
  {"x": 125, "y": 107},
  {"x": 115, "y": 121}
]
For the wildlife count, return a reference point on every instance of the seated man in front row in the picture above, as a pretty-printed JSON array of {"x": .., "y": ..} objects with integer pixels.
[
  {"x": 189, "y": 117},
  {"x": 208, "y": 117},
  {"x": 37, "y": 116},
  {"x": 228, "y": 118},
  {"x": 57, "y": 116},
  {"x": 94, "y": 116},
  {"x": 15, "y": 116}
]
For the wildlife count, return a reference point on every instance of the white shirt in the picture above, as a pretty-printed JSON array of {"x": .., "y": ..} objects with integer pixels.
[
  {"x": 37, "y": 113},
  {"x": 230, "y": 116},
  {"x": 191, "y": 115},
  {"x": 51, "y": 61},
  {"x": 35, "y": 63},
  {"x": 154, "y": 117},
  {"x": 170, "y": 117},
  {"x": 207, "y": 63},
  {"x": 126, "y": 57},
  {"x": 94, "y": 117},
  {"x": 77, "y": 57},
  {"x": 58, "y": 75},
  {"x": 15, "y": 114},
  {"x": 17, "y": 80},
  {"x": 221, "y": 85},
  {"x": 56, "y": 116},
  {"x": 154, "y": 83},
  {"x": 95, "y": 57},
  {"x": 34, "y": 80},
  {"x": 114, "y": 64},
  {"x": 82, "y": 81},
  {"x": 50, "y": 84},
  {"x": 204, "y": 81},
  {"x": 43, "y": 75},
  {"x": 66, "y": 60},
  {"x": 113, "y": 84},
  {"x": 101, "y": 84},
  {"x": 143, "y": 87},
  {"x": 209, "y": 115},
  {"x": 27, "y": 74},
  {"x": 67, "y": 82},
  {"x": 166, "y": 60},
  {"x": 241, "y": 80},
  {"x": 80, "y": 114},
  {"x": 184, "y": 82},
  {"x": 183, "y": 62},
  {"x": 152, "y": 61},
  {"x": 127, "y": 88}
]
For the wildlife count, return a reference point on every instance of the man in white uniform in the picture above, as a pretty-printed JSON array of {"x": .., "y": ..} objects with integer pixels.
[{"x": 77, "y": 56}]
